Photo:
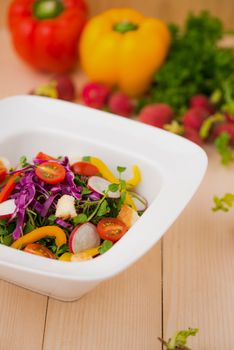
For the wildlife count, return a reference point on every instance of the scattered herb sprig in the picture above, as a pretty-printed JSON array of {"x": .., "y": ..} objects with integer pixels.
[{"x": 179, "y": 340}]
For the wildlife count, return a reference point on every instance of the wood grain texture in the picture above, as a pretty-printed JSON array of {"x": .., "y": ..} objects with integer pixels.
[
  {"x": 168, "y": 10},
  {"x": 22, "y": 318},
  {"x": 198, "y": 266},
  {"x": 123, "y": 313}
]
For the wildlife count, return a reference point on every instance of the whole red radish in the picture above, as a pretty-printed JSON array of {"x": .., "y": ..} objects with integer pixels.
[
  {"x": 61, "y": 87},
  {"x": 194, "y": 118},
  {"x": 121, "y": 104},
  {"x": 201, "y": 101},
  {"x": 157, "y": 114},
  {"x": 95, "y": 95},
  {"x": 193, "y": 135},
  {"x": 65, "y": 87},
  {"x": 225, "y": 127},
  {"x": 229, "y": 118}
]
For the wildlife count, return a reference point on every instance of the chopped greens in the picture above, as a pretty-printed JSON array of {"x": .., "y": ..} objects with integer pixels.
[
  {"x": 222, "y": 144},
  {"x": 224, "y": 203}
]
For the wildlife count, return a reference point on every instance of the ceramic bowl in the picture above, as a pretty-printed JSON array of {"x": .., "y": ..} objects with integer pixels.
[{"x": 172, "y": 169}]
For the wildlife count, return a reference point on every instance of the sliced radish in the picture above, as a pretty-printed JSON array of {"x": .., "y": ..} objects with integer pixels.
[
  {"x": 4, "y": 162},
  {"x": 99, "y": 185},
  {"x": 84, "y": 237},
  {"x": 139, "y": 201},
  {"x": 7, "y": 209}
]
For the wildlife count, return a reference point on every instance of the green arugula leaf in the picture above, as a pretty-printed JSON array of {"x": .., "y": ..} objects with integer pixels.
[
  {"x": 113, "y": 187},
  {"x": 121, "y": 169},
  {"x": 79, "y": 219},
  {"x": 51, "y": 219},
  {"x": 86, "y": 158},
  {"x": 179, "y": 340},
  {"x": 106, "y": 245},
  {"x": 85, "y": 191},
  {"x": 29, "y": 227},
  {"x": 224, "y": 203},
  {"x": 222, "y": 144},
  {"x": 103, "y": 209},
  {"x": 23, "y": 162}
]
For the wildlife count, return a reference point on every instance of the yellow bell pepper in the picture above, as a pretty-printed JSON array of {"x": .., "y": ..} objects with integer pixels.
[
  {"x": 66, "y": 257},
  {"x": 134, "y": 181},
  {"x": 86, "y": 254},
  {"x": 122, "y": 47},
  {"x": 39, "y": 233}
]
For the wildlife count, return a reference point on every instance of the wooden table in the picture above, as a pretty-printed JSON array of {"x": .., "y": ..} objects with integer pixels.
[{"x": 185, "y": 280}]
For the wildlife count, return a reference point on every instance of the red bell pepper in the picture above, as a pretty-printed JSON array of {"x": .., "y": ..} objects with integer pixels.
[
  {"x": 9, "y": 187},
  {"x": 45, "y": 33}
]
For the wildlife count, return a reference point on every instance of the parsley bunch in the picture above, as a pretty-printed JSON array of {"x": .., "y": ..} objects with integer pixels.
[{"x": 195, "y": 63}]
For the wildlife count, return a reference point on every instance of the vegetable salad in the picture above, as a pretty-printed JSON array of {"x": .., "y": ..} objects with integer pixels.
[{"x": 68, "y": 211}]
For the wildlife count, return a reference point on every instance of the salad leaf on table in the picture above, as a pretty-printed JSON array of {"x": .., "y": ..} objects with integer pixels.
[{"x": 179, "y": 340}]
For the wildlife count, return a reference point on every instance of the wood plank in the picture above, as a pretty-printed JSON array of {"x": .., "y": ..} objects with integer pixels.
[
  {"x": 168, "y": 10},
  {"x": 123, "y": 313},
  {"x": 199, "y": 264},
  {"x": 22, "y": 318}
]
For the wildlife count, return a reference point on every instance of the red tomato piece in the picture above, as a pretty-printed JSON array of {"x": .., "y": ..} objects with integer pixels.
[
  {"x": 85, "y": 169},
  {"x": 111, "y": 229},
  {"x": 51, "y": 172},
  {"x": 39, "y": 249},
  {"x": 44, "y": 156}
]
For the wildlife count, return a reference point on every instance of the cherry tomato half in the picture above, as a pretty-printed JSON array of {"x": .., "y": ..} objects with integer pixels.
[
  {"x": 111, "y": 229},
  {"x": 3, "y": 174},
  {"x": 85, "y": 169},
  {"x": 39, "y": 249},
  {"x": 44, "y": 156},
  {"x": 51, "y": 172}
]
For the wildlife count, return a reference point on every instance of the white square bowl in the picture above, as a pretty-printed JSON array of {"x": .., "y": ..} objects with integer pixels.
[{"x": 172, "y": 169}]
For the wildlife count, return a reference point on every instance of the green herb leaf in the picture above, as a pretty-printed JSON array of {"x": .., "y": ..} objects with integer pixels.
[
  {"x": 224, "y": 203},
  {"x": 17, "y": 179},
  {"x": 103, "y": 209},
  {"x": 79, "y": 219},
  {"x": 29, "y": 227},
  {"x": 51, "y": 219},
  {"x": 23, "y": 162},
  {"x": 222, "y": 145},
  {"x": 121, "y": 169},
  {"x": 113, "y": 187},
  {"x": 106, "y": 245},
  {"x": 86, "y": 158},
  {"x": 85, "y": 191},
  {"x": 7, "y": 240},
  {"x": 179, "y": 340}
]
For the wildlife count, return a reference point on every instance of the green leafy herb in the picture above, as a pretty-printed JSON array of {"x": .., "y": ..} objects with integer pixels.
[
  {"x": 85, "y": 191},
  {"x": 23, "y": 162},
  {"x": 224, "y": 203},
  {"x": 51, "y": 219},
  {"x": 106, "y": 245},
  {"x": 179, "y": 340},
  {"x": 79, "y": 219},
  {"x": 113, "y": 187},
  {"x": 222, "y": 144},
  {"x": 17, "y": 179},
  {"x": 121, "y": 169},
  {"x": 86, "y": 158},
  {"x": 103, "y": 208},
  {"x": 195, "y": 63}
]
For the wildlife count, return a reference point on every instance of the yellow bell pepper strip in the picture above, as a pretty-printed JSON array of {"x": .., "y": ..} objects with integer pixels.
[
  {"x": 134, "y": 181},
  {"x": 122, "y": 47},
  {"x": 39, "y": 233},
  {"x": 86, "y": 254},
  {"x": 103, "y": 169},
  {"x": 66, "y": 257}
]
